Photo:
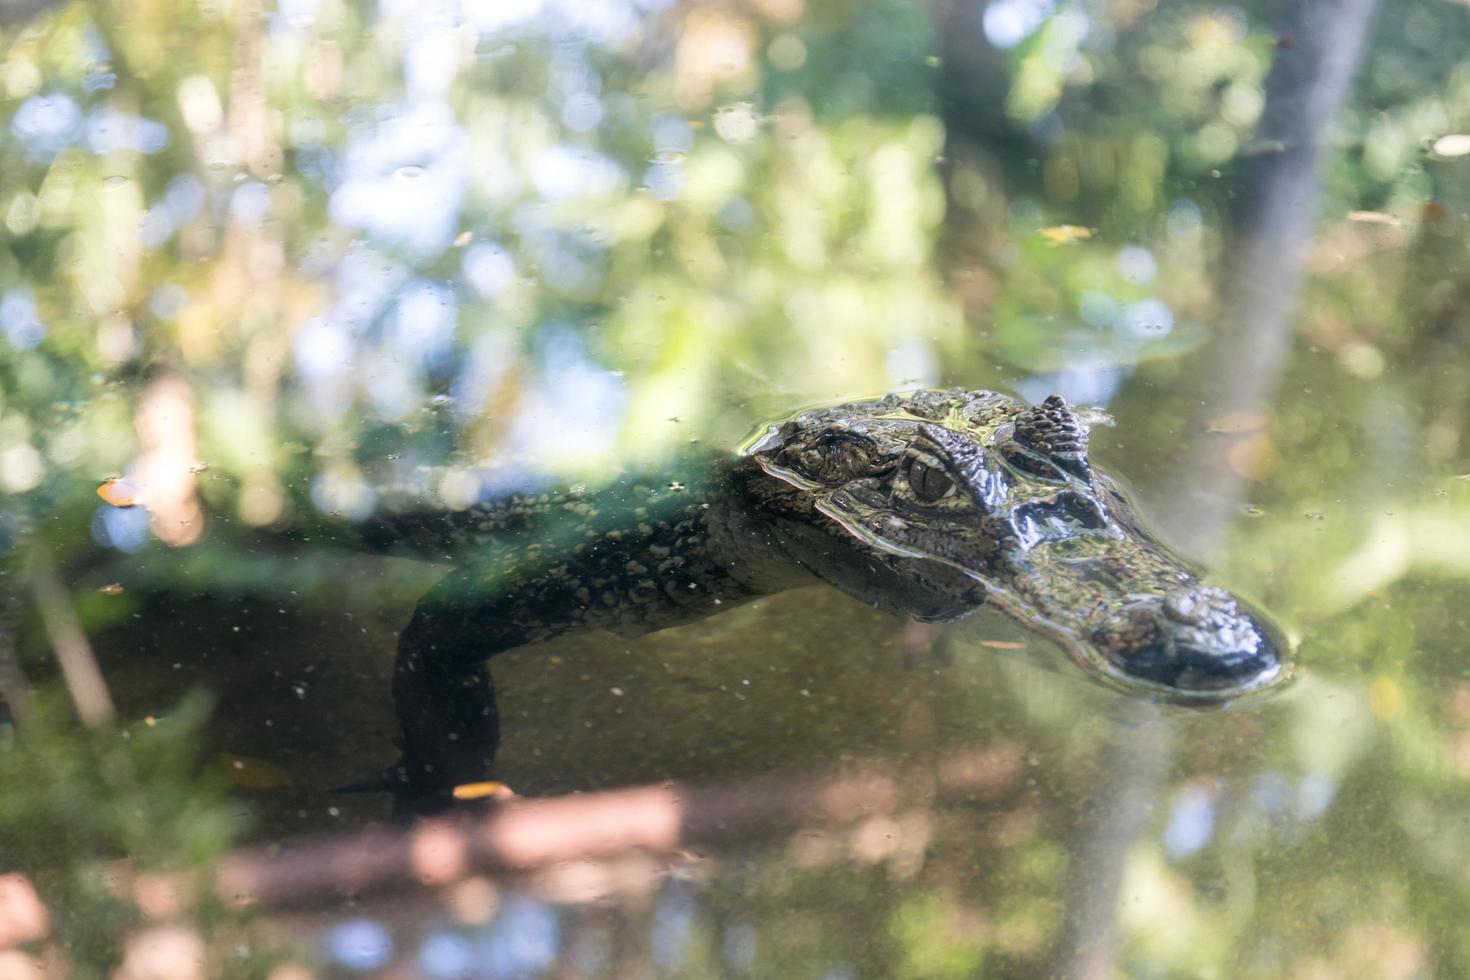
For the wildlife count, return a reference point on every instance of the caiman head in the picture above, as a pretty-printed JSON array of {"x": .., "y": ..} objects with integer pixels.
[{"x": 1004, "y": 492}]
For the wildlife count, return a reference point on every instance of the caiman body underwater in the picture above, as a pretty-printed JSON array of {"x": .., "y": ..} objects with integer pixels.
[{"x": 926, "y": 504}]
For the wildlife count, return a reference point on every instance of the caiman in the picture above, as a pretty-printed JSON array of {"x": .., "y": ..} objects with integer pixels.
[{"x": 925, "y": 504}]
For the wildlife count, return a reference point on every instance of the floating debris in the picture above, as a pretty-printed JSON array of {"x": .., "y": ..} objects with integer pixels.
[
  {"x": 1238, "y": 422},
  {"x": 1375, "y": 218},
  {"x": 247, "y": 772},
  {"x": 482, "y": 791},
  {"x": 1451, "y": 145},
  {"x": 1065, "y": 234},
  {"x": 118, "y": 493},
  {"x": 1256, "y": 148}
]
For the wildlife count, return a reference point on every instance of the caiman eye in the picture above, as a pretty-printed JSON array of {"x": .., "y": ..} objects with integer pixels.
[
  {"x": 835, "y": 456},
  {"x": 929, "y": 484}
]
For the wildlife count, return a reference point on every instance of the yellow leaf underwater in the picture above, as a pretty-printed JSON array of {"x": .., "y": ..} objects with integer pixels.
[{"x": 250, "y": 773}]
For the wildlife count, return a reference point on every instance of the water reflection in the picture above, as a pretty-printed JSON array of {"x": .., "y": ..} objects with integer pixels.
[{"x": 332, "y": 257}]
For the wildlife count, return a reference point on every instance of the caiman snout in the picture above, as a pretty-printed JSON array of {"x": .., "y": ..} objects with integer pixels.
[{"x": 1196, "y": 639}]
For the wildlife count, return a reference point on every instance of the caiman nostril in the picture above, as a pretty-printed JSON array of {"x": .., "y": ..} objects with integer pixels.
[
  {"x": 1184, "y": 606},
  {"x": 1192, "y": 607}
]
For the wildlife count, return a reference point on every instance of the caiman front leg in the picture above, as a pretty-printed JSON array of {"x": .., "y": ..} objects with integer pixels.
[
  {"x": 443, "y": 692},
  {"x": 660, "y": 573}
]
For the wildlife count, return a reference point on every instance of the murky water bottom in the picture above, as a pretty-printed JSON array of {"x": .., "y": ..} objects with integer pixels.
[{"x": 1030, "y": 801}]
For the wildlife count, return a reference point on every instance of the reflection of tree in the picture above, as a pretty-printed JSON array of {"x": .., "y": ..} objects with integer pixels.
[
  {"x": 979, "y": 144},
  {"x": 1310, "y": 76},
  {"x": 15, "y": 688},
  {"x": 1319, "y": 47},
  {"x": 1129, "y": 783}
]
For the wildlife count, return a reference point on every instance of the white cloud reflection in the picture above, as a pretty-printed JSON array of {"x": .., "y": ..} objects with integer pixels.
[
  {"x": 404, "y": 178},
  {"x": 574, "y": 409}
]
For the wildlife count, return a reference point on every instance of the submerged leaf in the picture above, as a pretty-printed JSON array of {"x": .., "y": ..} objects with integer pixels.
[{"x": 247, "y": 772}]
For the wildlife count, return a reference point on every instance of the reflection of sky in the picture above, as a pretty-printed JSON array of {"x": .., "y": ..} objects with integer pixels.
[
  {"x": 1079, "y": 386},
  {"x": 1191, "y": 822},
  {"x": 523, "y": 939},
  {"x": 108, "y": 131},
  {"x": 402, "y": 180},
  {"x": 123, "y": 528},
  {"x": 575, "y": 407},
  {"x": 46, "y": 124},
  {"x": 560, "y": 173},
  {"x": 404, "y": 177},
  {"x": 490, "y": 357},
  {"x": 603, "y": 22},
  {"x": 1120, "y": 331},
  {"x": 422, "y": 326},
  {"x": 1009, "y": 22},
  {"x": 672, "y": 928},
  {"x": 489, "y": 268},
  {"x": 1274, "y": 800},
  {"x": 20, "y": 320},
  {"x": 447, "y": 956},
  {"x": 182, "y": 200},
  {"x": 912, "y": 364},
  {"x": 1137, "y": 264},
  {"x": 1275, "y": 795},
  {"x": 358, "y": 944}
]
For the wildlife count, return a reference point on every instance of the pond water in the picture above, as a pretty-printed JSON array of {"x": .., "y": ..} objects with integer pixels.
[{"x": 263, "y": 263}]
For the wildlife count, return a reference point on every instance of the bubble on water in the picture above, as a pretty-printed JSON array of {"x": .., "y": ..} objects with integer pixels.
[
  {"x": 737, "y": 123},
  {"x": 1147, "y": 318},
  {"x": 1452, "y": 145}
]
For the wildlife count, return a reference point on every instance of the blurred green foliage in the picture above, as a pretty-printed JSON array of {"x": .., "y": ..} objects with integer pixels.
[{"x": 91, "y": 816}]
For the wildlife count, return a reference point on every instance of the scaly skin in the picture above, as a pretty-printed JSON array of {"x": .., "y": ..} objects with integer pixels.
[{"x": 922, "y": 504}]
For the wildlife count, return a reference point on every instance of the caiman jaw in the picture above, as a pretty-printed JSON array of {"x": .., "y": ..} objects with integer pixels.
[{"x": 1196, "y": 640}]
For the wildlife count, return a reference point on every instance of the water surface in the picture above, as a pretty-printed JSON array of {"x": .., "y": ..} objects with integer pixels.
[{"x": 263, "y": 262}]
